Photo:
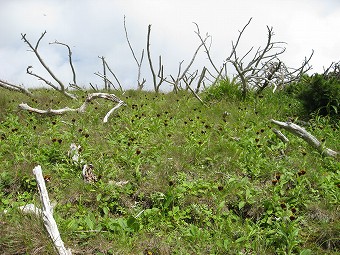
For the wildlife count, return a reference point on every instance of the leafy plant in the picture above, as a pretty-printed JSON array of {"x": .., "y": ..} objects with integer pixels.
[{"x": 321, "y": 95}]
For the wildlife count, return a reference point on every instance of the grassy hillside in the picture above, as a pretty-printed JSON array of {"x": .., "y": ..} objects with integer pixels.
[{"x": 175, "y": 177}]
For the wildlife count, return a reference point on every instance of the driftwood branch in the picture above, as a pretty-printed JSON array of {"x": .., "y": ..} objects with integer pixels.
[
  {"x": 310, "y": 139},
  {"x": 49, "y": 222},
  {"x": 81, "y": 109},
  {"x": 13, "y": 87}
]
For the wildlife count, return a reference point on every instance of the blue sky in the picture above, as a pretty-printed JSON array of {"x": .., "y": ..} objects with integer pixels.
[{"x": 95, "y": 28}]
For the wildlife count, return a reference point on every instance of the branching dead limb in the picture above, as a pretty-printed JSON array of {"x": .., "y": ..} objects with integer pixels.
[
  {"x": 13, "y": 87},
  {"x": 138, "y": 62},
  {"x": 61, "y": 88},
  {"x": 81, "y": 109},
  {"x": 264, "y": 69},
  {"x": 182, "y": 76},
  {"x": 207, "y": 49},
  {"x": 250, "y": 74},
  {"x": 310, "y": 139},
  {"x": 74, "y": 84}
]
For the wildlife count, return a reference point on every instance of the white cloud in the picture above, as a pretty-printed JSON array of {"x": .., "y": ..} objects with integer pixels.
[{"x": 95, "y": 28}]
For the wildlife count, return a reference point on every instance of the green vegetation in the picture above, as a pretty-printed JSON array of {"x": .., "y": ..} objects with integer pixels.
[
  {"x": 320, "y": 94},
  {"x": 175, "y": 177}
]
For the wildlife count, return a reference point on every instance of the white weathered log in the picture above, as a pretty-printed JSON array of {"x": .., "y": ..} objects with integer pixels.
[
  {"x": 46, "y": 212},
  {"x": 310, "y": 139},
  {"x": 82, "y": 108},
  {"x": 24, "y": 106}
]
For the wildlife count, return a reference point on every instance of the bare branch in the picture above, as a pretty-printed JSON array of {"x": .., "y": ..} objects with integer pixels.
[
  {"x": 234, "y": 46},
  {"x": 139, "y": 63},
  {"x": 70, "y": 60},
  {"x": 105, "y": 78},
  {"x": 207, "y": 51},
  {"x": 160, "y": 68},
  {"x": 29, "y": 71},
  {"x": 150, "y": 61},
  {"x": 107, "y": 81},
  {"x": 13, "y": 87},
  {"x": 333, "y": 71},
  {"x": 104, "y": 73},
  {"x": 202, "y": 75},
  {"x": 61, "y": 87},
  {"x": 114, "y": 76},
  {"x": 265, "y": 68}
]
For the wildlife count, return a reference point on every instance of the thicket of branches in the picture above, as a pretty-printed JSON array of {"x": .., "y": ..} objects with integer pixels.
[{"x": 256, "y": 69}]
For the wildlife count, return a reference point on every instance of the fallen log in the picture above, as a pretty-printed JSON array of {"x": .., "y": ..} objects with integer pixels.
[
  {"x": 47, "y": 214},
  {"x": 310, "y": 139},
  {"x": 82, "y": 108}
]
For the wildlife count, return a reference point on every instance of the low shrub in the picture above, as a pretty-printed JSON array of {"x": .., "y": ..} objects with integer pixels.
[{"x": 321, "y": 95}]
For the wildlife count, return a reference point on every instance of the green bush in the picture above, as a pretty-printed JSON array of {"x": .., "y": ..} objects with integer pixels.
[{"x": 321, "y": 95}]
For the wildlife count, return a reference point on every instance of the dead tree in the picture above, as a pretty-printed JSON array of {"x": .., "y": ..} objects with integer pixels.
[
  {"x": 140, "y": 83},
  {"x": 107, "y": 82},
  {"x": 14, "y": 87},
  {"x": 265, "y": 68},
  {"x": 60, "y": 87},
  {"x": 160, "y": 74}
]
